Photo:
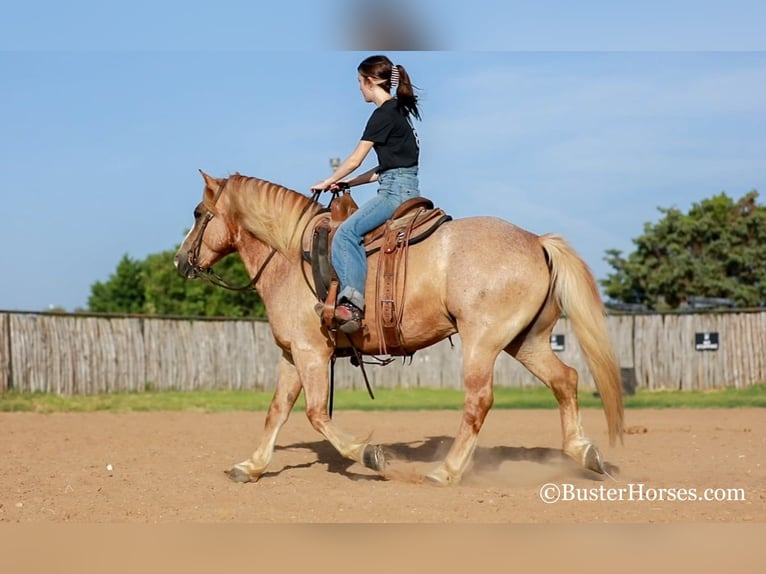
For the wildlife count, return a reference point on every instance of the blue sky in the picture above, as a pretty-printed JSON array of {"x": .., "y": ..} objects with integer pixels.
[{"x": 555, "y": 118}]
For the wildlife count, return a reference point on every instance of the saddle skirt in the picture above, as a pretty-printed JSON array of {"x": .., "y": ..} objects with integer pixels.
[{"x": 414, "y": 221}]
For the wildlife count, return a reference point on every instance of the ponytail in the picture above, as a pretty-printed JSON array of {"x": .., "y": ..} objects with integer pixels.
[{"x": 405, "y": 94}]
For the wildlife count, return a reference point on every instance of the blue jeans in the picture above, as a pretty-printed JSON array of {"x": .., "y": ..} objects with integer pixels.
[{"x": 348, "y": 255}]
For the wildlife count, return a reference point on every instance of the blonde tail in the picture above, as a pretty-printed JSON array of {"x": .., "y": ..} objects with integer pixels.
[{"x": 574, "y": 289}]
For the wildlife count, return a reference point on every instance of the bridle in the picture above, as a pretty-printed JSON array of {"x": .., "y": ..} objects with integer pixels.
[{"x": 207, "y": 273}]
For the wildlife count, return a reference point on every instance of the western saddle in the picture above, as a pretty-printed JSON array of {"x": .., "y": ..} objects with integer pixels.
[{"x": 414, "y": 221}]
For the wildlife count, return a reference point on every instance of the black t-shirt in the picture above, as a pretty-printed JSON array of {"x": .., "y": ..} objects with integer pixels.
[{"x": 395, "y": 140}]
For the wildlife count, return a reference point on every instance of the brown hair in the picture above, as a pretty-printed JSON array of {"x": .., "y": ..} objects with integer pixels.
[{"x": 380, "y": 69}]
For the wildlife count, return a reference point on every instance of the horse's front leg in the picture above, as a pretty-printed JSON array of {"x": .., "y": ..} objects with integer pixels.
[
  {"x": 313, "y": 369},
  {"x": 285, "y": 395}
]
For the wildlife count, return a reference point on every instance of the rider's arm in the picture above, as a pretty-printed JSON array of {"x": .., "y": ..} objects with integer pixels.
[
  {"x": 366, "y": 177},
  {"x": 349, "y": 165}
]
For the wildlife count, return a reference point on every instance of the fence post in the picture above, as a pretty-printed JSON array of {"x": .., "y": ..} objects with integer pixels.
[{"x": 8, "y": 382}]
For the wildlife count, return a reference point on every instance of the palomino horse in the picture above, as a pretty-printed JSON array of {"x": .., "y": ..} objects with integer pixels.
[{"x": 500, "y": 287}]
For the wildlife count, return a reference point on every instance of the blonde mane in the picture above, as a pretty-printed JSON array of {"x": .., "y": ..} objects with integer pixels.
[{"x": 271, "y": 212}]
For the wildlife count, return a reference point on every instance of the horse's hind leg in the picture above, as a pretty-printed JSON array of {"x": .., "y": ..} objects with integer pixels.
[
  {"x": 478, "y": 371},
  {"x": 285, "y": 395},
  {"x": 536, "y": 355}
]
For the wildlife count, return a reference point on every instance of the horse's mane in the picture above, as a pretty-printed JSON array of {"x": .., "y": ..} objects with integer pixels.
[{"x": 270, "y": 211}]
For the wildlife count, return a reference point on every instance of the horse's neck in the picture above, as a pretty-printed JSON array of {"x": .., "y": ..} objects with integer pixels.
[{"x": 258, "y": 259}]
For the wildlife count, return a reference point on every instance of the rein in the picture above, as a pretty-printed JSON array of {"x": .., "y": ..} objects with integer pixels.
[{"x": 214, "y": 278}]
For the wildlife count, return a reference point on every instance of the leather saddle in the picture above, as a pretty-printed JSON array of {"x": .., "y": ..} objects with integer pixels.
[{"x": 414, "y": 221}]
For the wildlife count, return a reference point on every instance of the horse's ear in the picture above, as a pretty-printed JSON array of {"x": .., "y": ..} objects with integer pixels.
[{"x": 210, "y": 182}]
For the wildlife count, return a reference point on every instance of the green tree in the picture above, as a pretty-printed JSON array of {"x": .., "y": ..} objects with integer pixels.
[
  {"x": 123, "y": 292},
  {"x": 718, "y": 249},
  {"x": 152, "y": 286},
  {"x": 169, "y": 294}
]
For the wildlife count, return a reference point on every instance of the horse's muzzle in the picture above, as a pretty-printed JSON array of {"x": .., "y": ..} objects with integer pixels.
[{"x": 184, "y": 268}]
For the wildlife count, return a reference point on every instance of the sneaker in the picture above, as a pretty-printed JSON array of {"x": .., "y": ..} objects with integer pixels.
[{"x": 349, "y": 317}]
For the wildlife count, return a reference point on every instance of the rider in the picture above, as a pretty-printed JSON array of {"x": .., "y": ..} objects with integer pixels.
[{"x": 390, "y": 131}]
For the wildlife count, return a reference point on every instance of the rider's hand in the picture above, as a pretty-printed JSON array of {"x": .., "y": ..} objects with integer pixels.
[
  {"x": 320, "y": 186},
  {"x": 324, "y": 186}
]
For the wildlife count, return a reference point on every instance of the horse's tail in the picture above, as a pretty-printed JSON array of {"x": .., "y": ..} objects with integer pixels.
[{"x": 574, "y": 288}]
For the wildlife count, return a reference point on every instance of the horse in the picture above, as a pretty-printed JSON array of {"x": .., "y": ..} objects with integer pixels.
[{"x": 497, "y": 286}]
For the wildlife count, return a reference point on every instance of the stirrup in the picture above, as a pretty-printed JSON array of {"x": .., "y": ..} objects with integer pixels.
[{"x": 349, "y": 317}]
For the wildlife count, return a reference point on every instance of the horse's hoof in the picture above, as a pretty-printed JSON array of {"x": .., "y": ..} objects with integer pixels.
[
  {"x": 237, "y": 474},
  {"x": 592, "y": 460},
  {"x": 439, "y": 476},
  {"x": 373, "y": 458}
]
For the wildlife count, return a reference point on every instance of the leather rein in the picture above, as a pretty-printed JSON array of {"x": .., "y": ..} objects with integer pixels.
[
  {"x": 207, "y": 273},
  {"x": 211, "y": 276}
]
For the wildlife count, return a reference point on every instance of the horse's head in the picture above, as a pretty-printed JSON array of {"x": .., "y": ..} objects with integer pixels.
[{"x": 210, "y": 239}]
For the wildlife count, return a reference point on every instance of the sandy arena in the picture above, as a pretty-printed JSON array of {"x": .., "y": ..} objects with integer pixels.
[{"x": 168, "y": 468}]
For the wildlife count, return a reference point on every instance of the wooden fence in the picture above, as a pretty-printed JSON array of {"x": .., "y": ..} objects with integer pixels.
[{"x": 79, "y": 354}]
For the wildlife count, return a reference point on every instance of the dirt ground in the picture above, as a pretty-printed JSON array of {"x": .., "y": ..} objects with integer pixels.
[{"x": 168, "y": 468}]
